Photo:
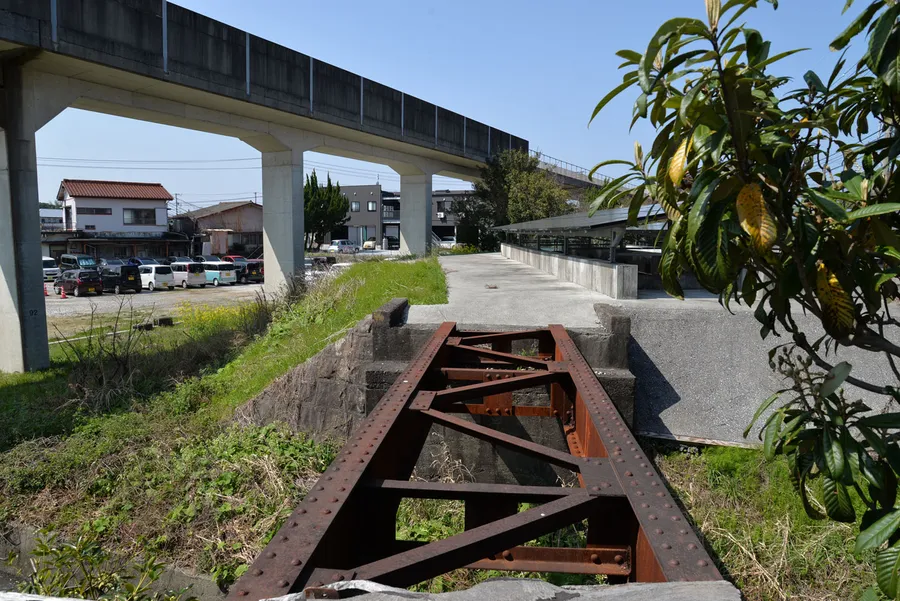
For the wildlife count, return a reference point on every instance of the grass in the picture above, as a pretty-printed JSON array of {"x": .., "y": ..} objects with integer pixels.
[
  {"x": 755, "y": 524},
  {"x": 168, "y": 473}
]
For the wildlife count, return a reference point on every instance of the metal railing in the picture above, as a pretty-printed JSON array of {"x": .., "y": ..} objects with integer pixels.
[
  {"x": 390, "y": 213},
  {"x": 566, "y": 168}
]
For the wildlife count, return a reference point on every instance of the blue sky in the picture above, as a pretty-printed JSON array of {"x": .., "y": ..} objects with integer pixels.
[{"x": 533, "y": 68}]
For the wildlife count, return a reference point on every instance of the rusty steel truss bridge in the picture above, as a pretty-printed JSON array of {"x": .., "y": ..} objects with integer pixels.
[{"x": 345, "y": 528}]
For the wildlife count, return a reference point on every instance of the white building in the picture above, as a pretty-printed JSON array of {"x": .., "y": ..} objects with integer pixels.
[{"x": 114, "y": 207}]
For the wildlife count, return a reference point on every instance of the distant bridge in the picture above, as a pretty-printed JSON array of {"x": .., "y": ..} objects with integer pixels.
[{"x": 569, "y": 175}]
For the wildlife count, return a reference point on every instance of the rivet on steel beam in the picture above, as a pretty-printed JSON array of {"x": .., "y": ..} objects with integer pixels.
[
  {"x": 243, "y": 593},
  {"x": 284, "y": 539},
  {"x": 301, "y": 511},
  {"x": 312, "y": 499},
  {"x": 257, "y": 572},
  {"x": 683, "y": 531},
  {"x": 702, "y": 563},
  {"x": 618, "y": 559},
  {"x": 692, "y": 546},
  {"x": 658, "y": 531},
  {"x": 595, "y": 558},
  {"x": 675, "y": 518},
  {"x": 282, "y": 583},
  {"x": 666, "y": 546},
  {"x": 507, "y": 555},
  {"x": 334, "y": 500},
  {"x": 296, "y": 562},
  {"x": 673, "y": 562},
  {"x": 270, "y": 554},
  {"x": 652, "y": 517}
]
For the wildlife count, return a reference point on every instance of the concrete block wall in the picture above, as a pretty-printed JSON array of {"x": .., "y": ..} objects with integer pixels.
[{"x": 616, "y": 280}]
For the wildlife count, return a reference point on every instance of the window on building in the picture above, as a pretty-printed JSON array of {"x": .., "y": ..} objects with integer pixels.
[
  {"x": 373, "y": 206},
  {"x": 92, "y": 211},
  {"x": 90, "y": 228},
  {"x": 354, "y": 206},
  {"x": 139, "y": 216}
]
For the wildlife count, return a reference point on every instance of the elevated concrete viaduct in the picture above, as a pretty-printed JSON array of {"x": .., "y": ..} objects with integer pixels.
[{"x": 156, "y": 61}]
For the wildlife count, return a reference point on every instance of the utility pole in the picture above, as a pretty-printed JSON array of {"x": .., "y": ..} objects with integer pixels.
[
  {"x": 254, "y": 199},
  {"x": 176, "y": 204}
]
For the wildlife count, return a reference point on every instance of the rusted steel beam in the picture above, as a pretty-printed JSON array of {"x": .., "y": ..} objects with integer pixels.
[
  {"x": 346, "y": 526},
  {"x": 514, "y": 410},
  {"x": 412, "y": 566},
  {"x": 467, "y": 490},
  {"x": 494, "y": 387},
  {"x": 666, "y": 547},
  {"x": 531, "y": 362},
  {"x": 475, "y": 374},
  {"x": 515, "y": 443},
  {"x": 473, "y": 338},
  {"x": 612, "y": 561}
]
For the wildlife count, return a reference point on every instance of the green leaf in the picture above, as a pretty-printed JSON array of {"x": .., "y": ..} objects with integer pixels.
[
  {"x": 871, "y": 593},
  {"x": 837, "y": 501},
  {"x": 762, "y": 409},
  {"x": 615, "y": 92},
  {"x": 884, "y": 420},
  {"x": 813, "y": 81},
  {"x": 888, "y": 69},
  {"x": 857, "y": 26},
  {"x": 872, "y": 210},
  {"x": 879, "y": 37},
  {"x": 887, "y": 570},
  {"x": 688, "y": 100},
  {"x": 674, "y": 63},
  {"x": 630, "y": 55},
  {"x": 777, "y": 57},
  {"x": 771, "y": 434},
  {"x": 665, "y": 32},
  {"x": 834, "y": 454},
  {"x": 828, "y": 206},
  {"x": 834, "y": 378}
]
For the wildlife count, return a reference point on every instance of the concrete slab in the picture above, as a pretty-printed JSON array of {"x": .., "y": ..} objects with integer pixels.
[{"x": 490, "y": 289}]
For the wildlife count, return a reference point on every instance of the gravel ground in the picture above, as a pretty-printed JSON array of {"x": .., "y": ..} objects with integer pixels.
[{"x": 157, "y": 300}]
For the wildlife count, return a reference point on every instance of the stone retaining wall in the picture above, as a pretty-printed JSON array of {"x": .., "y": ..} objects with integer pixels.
[{"x": 616, "y": 280}]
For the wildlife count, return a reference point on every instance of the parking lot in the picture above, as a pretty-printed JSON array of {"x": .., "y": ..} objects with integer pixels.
[{"x": 158, "y": 300}]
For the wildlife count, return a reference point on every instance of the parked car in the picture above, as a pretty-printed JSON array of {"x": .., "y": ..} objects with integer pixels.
[
  {"x": 206, "y": 259},
  {"x": 448, "y": 242},
  {"x": 393, "y": 243},
  {"x": 157, "y": 276},
  {"x": 247, "y": 271},
  {"x": 143, "y": 261},
  {"x": 113, "y": 264},
  {"x": 67, "y": 262},
  {"x": 370, "y": 244},
  {"x": 261, "y": 266},
  {"x": 219, "y": 272},
  {"x": 78, "y": 282},
  {"x": 118, "y": 279},
  {"x": 188, "y": 273},
  {"x": 175, "y": 259},
  {"x": 51, "y": 270},
  {"x": 343, "y": 246}
]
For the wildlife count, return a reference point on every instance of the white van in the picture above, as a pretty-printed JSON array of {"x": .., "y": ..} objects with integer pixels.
[
  {"x": 51, "y": 270},
  {"x": 189, "y": 274},
  {"x": 157, "y": 276}
]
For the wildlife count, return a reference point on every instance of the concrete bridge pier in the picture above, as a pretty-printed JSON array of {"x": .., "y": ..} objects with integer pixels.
[
  {"x": 24, "y": 109},
  {"x": 415, "y": 213},
  {"x": 283, "y": 227}
]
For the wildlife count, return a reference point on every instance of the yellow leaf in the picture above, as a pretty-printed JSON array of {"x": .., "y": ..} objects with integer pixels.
[
  {"x": 678, "y": 160},
  {"x": 755, "y": 218},
  {"x": 838, "y": 313},
  {"x": 713, "y": 8},
  {"x": 671, "y": 210}
]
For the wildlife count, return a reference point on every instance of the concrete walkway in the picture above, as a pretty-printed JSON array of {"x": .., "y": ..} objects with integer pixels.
[{"x": 490, "y": 289}]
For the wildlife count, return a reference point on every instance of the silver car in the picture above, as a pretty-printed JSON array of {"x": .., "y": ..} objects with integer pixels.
[{"x": 51, "y": 269}]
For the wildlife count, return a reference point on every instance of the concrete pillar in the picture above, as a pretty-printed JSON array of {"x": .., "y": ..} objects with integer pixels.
[
  {"x": 24, "y": 108},
  {"x": 415, "y": 213},
  {"x": 283, "y": 232}
]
